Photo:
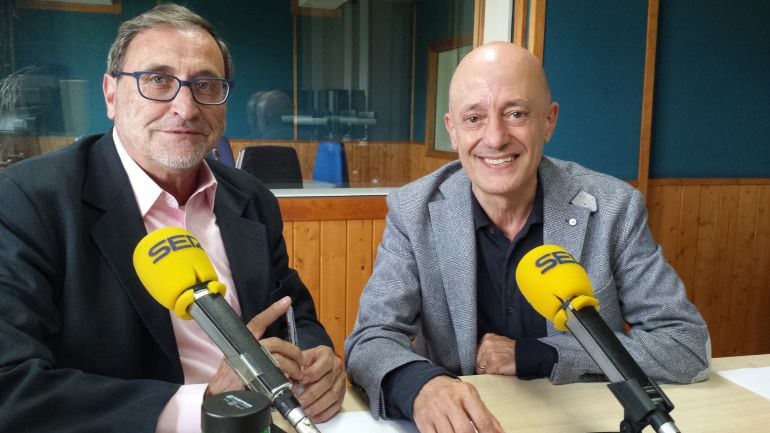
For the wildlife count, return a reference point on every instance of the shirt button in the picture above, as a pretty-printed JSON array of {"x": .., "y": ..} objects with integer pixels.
[
  {"x": 572, "y": 222},
  {"x": 492, "y": 230}
]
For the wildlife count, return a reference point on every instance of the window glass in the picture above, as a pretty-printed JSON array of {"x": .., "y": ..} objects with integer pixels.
[{"x": 306, "y": 72}]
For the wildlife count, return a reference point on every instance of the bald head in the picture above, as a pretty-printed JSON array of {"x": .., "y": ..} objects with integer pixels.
[
  {"x": 500, "y": 117},
  {"x": 501, "y": 63}
]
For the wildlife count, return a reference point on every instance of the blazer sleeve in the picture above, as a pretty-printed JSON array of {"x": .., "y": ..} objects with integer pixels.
[
  {"x": 37, "y": 393},
  {"x": 641, "y": 298}
]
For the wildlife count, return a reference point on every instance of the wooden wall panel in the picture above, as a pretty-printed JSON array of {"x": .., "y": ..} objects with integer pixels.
[
  {"x": 307, "y": 256},
  {"x": 703, "y": 292},
  {"x": 359, "y": 266},
  {"x": 758, "y": 340},
  {"x": 686, "y": 246},
  {"x": 726, "y": 257},
  {"x": 717, "y": 237},
  {"x": 332, "y": 288}
]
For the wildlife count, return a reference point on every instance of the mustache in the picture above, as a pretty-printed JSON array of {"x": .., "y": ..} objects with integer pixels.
[{"x": 196, "y": 126}]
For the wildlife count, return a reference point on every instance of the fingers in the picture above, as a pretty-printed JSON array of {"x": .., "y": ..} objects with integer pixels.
[
  {"x": 496, "y": 355},
  {"x": 261, "y": 321},
  {"x": 288, "y": 356},
  {"x": 224, "y": 380},
  {"x": 324, "y": 384},
  {"x": 482, "y": 419},
  {"x": 318, "y": 362},
  {"x": 445, "y": 404}
]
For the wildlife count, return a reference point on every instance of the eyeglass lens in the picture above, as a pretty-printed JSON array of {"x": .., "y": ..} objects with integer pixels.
[{"x": 165, "y": 87}]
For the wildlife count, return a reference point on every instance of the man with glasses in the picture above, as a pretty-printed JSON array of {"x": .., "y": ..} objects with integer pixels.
[{"x": 83, "y": 347}]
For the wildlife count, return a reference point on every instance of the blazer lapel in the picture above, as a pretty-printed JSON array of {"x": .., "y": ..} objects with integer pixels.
[
  {"x": 106, "y": 187},
  {"x": 565, "y": 219},
  {"x": 455, "y": 241},
  {"x": 241, "y": 235}
]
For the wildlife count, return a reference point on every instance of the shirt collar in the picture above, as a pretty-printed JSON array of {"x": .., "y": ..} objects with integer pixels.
[
  {"x": 481, "y": 219},
  {"x": 147, "y": 192}
]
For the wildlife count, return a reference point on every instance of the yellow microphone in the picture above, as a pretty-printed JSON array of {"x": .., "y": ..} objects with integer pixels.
[
  {"x": 174, "y": 268},
  {"x": 169, "y": 261},
  {"x": 548, "y": 276},
  {"x": 559, "y": 288}
]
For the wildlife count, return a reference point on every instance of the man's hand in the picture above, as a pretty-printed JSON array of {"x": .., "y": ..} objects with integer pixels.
[
  {"x": 496, "y": 355},
  {"x": 288, "y": 356},
  {"x": 447, "y": 405},
  {"x": 324, "y": 385}
]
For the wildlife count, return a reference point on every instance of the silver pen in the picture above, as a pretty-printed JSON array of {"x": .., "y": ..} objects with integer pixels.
[{"x": 292, "y": 325}]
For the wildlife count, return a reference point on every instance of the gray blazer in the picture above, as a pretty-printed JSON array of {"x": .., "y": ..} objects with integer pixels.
[{"x": 420, "y": 302}]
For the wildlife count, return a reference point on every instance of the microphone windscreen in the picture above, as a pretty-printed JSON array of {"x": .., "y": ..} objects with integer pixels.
[
  {"x": 547, "y": 277},
  {"x": 169, "y": 261}
]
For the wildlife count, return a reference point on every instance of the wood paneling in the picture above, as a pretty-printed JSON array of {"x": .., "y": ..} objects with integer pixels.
[
  {"x": 717, "y": 237},
  {"x": 334, "y": 253},
  {"x": 715, "y": 232}
]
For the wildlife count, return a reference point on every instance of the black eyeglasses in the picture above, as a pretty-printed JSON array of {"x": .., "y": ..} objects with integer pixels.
[{"x": 157, "y": 86}]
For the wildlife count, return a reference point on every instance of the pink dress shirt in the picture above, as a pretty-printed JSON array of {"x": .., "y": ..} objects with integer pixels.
[{"x": 200, "y": 358}]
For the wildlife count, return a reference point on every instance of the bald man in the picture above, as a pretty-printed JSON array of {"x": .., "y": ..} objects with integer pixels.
[{"x": 443, "y": 300}]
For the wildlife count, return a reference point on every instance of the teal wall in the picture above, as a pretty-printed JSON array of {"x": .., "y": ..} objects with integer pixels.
[
  {"x": 712, "y": 86},
  {"x": 712, "y": 94},
  {"x": 594, "y": 59}
]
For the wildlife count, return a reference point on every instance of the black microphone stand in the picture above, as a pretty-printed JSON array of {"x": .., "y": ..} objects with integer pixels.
[
  {"x": 644, "y": 403},
  {"x": 643, "y": 406}
]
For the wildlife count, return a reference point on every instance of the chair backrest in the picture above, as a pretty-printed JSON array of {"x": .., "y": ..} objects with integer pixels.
[
  {"x": 275, "y": 166},
  {"x": 331, "y": 164},
  {"x": 223, "y": 152}
]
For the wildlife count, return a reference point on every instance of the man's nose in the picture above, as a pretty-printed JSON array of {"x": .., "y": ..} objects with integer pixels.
[
  {"x": 495, "y": 132},
  {"x": 184, "y": 103}
]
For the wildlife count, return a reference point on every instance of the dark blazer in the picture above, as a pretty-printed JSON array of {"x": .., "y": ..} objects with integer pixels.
[{"x": 83, "y": 346}]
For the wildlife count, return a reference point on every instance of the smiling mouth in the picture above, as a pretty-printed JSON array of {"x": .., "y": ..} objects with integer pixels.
[
  {"x": 182, "y": 131},
  {"x": 499, "y": 161}
]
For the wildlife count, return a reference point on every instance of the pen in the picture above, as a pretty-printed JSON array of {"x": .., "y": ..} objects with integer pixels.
[{"x": 292, "y": 326}]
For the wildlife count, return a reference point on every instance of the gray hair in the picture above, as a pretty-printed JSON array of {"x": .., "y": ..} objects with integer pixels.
[{"x": 167, "y": 14}]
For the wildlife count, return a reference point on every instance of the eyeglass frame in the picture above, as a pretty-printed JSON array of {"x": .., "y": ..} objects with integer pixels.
[{"x": 182, "y": 83}]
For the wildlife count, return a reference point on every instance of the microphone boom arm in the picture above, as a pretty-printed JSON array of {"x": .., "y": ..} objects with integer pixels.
[
  {"x": 644, "y": 403},
  {"x": 213, "y": 314}
]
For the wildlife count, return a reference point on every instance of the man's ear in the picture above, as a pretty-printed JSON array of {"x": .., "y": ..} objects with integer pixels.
[
  {"x": 450, "y": 128},
  {"x": 551, "y": 117},
  {"x": 109, "y": 88}
]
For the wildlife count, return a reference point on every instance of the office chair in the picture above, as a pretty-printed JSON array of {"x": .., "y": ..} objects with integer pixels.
[
  {"x": 275, "y": 166},
  {"x": 331, "y": 163}
]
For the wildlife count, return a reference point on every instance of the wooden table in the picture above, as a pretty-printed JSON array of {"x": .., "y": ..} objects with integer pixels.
[{"x": 537, "y": 406}]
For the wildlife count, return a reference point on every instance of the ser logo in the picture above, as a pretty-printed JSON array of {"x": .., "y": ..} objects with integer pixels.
[
  {"x": 549, "y": 261},
  {"x": 166, "y": 246}
]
